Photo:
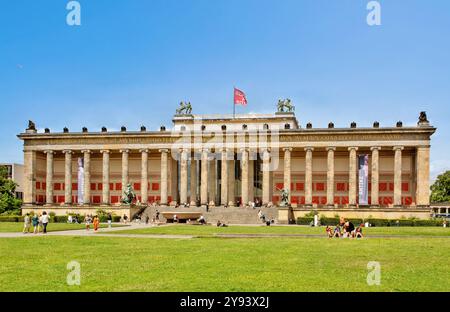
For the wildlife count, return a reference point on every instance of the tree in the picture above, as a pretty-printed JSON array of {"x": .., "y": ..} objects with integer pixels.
[
  {"x": 440, "y": 190},
  {"x": 8, "y": 202}
]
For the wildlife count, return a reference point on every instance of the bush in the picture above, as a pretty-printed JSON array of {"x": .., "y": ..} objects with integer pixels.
[
  {"x": 9, "y": 218},
  {"x": 304, "y": 220},
  {"x": 329, "y": 221},
  {"x": 59, "y": 219}
]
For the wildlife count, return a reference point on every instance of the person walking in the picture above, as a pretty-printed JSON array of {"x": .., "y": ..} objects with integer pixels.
[
  {"x": 109, "y": 220},
  {"x": 96, "y": 223},
  {"x": 40, "y": 223},
  {"x": 45, "y": 220},
  {"x": 35, "y": 222},
  {"x": 26, "y": 224},
  {"x": 87, "y": 222}
]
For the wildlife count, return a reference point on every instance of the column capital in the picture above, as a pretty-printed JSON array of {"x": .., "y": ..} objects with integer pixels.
[
  {"x": 265, "y": 149},
  {"x": 287, "y": 149},
  {"x": 244, "y": 149},
  {"x": 105, "y": 151},
  {"x": 351, "y": 148},
  {"x": 144, "y": 150},
  {"x": 375, "y": 148},
  {"x": 203, "y": 150},
  {"x": 86, "y": 152},
  {"x": 309, "y": 148},
  {"x": 330, "y": 148},
  {"x": 395, "y": 148},
  {"x": 67, "y": 152},
  {"x": 124, "y": 151},
  {"x": 163, "y": 150},
  {"x": 49, "y": 152}
]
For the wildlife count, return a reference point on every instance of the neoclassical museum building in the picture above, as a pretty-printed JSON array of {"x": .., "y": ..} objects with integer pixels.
[{"x": 230, "y": 161}]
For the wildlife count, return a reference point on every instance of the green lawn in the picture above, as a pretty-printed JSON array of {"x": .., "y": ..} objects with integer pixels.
[
  {"x": 18, "y": 227},
  {"x": 209, "y": 230},
  {"x": 216, "y": 264}
]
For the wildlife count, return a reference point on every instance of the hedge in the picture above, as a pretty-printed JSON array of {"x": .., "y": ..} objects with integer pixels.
[
  {"x": 373, "y": 222},
  {"x": 53, "y": 219},
  {"x": 11, "y": 218},
  {"x": 305, "y": 220}
]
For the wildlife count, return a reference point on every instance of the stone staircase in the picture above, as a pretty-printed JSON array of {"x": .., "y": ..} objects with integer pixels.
[{"x": 228, "y": 215}]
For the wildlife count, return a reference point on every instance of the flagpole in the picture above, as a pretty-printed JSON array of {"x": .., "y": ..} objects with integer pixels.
[{"x": 234, "y": 104}]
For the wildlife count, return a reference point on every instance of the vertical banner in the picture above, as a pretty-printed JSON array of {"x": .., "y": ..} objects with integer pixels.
[
  {"x": 80, "y": 180},
  {"x": 363, "y": 161}
]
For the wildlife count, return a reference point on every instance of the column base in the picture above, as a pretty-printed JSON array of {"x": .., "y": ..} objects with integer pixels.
[
  {"x": 330, "y": 206},
  {"x": 193, "y": 204},
  {"x": 49, "y": 205},
  {"x": 398, "y": 206},
  {"x": 105, "y": 205},
  {"x": 375, "y": 206},
  {"x": 352, "y": 206}
]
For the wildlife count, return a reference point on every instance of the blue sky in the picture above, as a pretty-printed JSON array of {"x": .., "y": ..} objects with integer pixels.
[{"x": 131, "y": 63}]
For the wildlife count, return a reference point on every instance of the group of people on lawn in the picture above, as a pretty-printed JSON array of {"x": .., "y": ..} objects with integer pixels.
[
  {"x": 345, "y": 229},
  {"x": 39, "y": 223}
]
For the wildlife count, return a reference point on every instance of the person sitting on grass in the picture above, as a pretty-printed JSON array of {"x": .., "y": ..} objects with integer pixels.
[
  {"x": 349, "y": 229},
  {"x": 329, "y": 231},
  {"x": 201, "y": 220},
  {"x": 358, "y": 231},
  {"x": 26, "y": 223},
  {"x": 220, "y": 224},
  {"x": 337, "y": 231}
]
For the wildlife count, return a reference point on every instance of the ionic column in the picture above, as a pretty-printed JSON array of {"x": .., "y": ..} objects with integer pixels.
[
  {"x": 266, "y": 177},
  {"x": 352, "y": 176},
  {"x": 251, "y": 178},
  {"x": 423, "y": 176},
  {"x": 164, "y": 176},
  {"x": 308, "y": 175},
  {"x": 212, "y": 182},
  {"x": 125, "y": 157},
  {"x": 287, "y": 171},
  {"x": 224, "y": 181},
  {"x": 398, "y": 175},
  {"x": 29, "y": 194},
  {"x": 204, "y": 178},
  {"x": 87, "y": 177},
  {"x": 244, "y": 181},
  {"x": 231, "y": 180},
  {"x": 183, "y": 176},
  {"x": 49, "y": 178},
  {"x": 68, "y": 177},
  {"x": 193, "y": 181},
  {"x": 375, "y": 181},
  {"x": 105, "y": 178},
  {"x": 330, "y": 176},
  {"x": 144, "y": 176}
]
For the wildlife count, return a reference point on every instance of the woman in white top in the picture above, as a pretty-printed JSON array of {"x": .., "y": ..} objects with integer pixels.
[{"x": 45, "y": 219}]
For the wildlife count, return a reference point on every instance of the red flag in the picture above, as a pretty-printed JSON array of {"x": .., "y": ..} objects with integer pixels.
[{"x": 239, "y": 97}]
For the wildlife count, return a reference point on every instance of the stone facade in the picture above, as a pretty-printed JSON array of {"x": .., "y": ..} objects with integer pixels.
[{"x": 225, "y": 161}]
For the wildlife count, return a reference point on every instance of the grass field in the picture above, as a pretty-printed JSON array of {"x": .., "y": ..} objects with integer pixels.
[
  {"x": 210, "y": 263},
  {"x": 52, "y": 227},
  {"x": 214, "y": 230},
  {"x": 216, "y": 264}
]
